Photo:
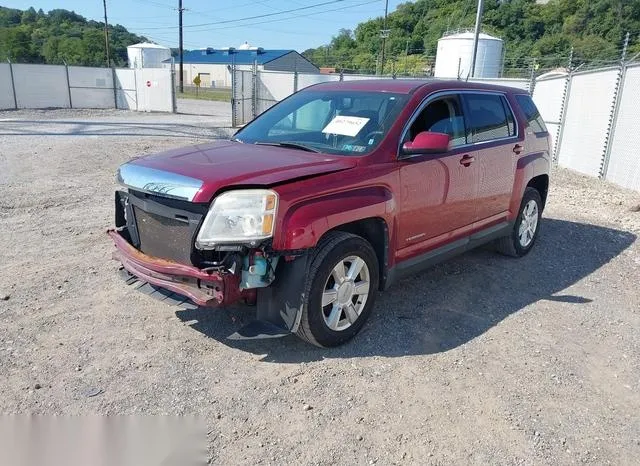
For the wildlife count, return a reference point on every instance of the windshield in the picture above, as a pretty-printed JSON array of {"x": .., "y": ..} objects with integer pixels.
[{"x": 333, "y": 122}]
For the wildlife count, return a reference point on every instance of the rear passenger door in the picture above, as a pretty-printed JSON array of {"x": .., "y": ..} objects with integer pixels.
[{"x": 493, "y": 132}]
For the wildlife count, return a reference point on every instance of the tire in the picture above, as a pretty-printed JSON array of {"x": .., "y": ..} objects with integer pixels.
[
  {"x": 319, "y": 325},
  {"x": 513, "y": 245}
]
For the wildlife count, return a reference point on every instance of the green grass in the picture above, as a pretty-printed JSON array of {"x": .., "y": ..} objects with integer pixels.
[{"x": 220, "y": 95}]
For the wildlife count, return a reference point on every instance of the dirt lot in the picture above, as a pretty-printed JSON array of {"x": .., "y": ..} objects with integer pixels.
[{"x": 483, "y": 359}]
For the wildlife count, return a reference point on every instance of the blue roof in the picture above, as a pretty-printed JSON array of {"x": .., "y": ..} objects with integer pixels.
[{"x": 227, "y": 57}]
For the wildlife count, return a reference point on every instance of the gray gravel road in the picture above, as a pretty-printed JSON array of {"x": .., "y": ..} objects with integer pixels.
[{"x": 480, "y": 360}]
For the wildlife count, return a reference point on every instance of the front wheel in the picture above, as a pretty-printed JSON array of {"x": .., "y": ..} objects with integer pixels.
[
  {"x": 340, "y": 290},
  {"x": 526, "y": 228}
]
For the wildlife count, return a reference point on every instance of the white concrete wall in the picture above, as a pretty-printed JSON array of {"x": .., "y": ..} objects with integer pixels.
[
  {"x": 154, "y": 90},
  {"x": 6, "y": 88},
  {"x": 127, "y": 93},
  {"x": 587, "y": 120},
  {"x": 54, "y": 86},
  {"x": 624, "y": 165},
  {"x": 41, "y": 86},
  {"x": 91, "y": 87},
  {"x": 548, "y": 96}
]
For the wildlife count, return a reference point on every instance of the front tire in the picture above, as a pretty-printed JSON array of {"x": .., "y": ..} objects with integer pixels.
[
  {"x": 340, "y": 290},
  {"x": 526, "y": 228}
]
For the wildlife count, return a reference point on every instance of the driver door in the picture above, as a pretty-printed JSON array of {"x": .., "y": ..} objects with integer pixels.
[{"x": 438, "y": 190}]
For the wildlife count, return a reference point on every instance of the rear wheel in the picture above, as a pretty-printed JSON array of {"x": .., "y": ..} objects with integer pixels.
[
  {"x": 340, "y": 290},
  {"x": 526, "y": 228}
]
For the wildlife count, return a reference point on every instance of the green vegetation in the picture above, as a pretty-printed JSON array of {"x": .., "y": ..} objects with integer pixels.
[
  {"x": 60, "y": 36},
  {"x": 595, "y": 28},
  {"x": 205, "y": 93}
]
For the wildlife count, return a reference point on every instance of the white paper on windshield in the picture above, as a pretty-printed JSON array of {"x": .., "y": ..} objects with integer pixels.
[{"x": 345, "y": 125}]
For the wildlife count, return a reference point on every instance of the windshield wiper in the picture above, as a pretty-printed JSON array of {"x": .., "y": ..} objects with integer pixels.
[{"x": 289, "y": 145}]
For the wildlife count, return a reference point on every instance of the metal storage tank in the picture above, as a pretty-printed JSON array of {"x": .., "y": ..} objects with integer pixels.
[
  {"x": 455, "y": 55},
  {"x": 147, "y": 55}
]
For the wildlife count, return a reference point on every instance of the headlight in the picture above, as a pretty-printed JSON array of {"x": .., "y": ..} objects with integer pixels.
[{"x": 243, "y": 216}]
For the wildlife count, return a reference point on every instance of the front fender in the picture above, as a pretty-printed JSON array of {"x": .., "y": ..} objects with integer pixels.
[{"x": 305, "y": 222}]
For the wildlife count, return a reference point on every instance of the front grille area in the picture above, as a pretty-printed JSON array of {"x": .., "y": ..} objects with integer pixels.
[{"x": 163, "y": 237}]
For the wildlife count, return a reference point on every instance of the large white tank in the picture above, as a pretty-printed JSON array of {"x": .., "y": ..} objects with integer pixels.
[
  {"x": 147, "y": 55},
  {"x": 455, "y": 55}
]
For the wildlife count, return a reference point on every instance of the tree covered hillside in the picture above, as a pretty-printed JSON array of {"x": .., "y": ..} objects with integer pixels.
[
  {"x": 595, "y": 28},
  {"x": 60, "y": 36}
]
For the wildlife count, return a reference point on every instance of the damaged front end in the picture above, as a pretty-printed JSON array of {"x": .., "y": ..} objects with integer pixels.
[{"x": 160, "y": 240}]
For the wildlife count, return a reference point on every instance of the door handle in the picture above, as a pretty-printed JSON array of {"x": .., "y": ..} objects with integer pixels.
[
  {"x": 517, "y": 149},
  {"x": 467, "y": 160}
]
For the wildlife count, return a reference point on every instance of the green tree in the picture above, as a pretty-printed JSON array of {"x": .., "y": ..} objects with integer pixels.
[{"x": 60, "y": 36}]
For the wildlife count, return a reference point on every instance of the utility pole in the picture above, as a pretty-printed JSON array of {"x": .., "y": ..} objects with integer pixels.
[
  {"x": 106, "y": 33},
  {"x": 180, "y": 11},
  {"x": 384, "y": 34},
  {"x": 406, "y": 59},
  {"x": 476, "y": 36}
]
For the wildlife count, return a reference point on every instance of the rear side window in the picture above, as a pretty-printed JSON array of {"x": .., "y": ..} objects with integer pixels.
[
  {"x": 489, "y": 117},
  {"x": 531, "y": 112}
]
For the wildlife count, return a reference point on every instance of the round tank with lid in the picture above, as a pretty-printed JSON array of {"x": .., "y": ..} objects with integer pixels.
[{"x": 455, "y": 55}]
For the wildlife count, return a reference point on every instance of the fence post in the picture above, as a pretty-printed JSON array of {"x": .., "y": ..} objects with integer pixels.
[
  {"x": 174, "y": 97},
  {"x": 135, "y": 86},
  {"x": 115, "y": 87},
  {"x": 532, "y": 78},
  {"x": 615, "y": 109},
  {"x": 563, "y": 110},
  {"x": 295, "y": 81},
  {"x": 234, "y": 90},
  {"x": 66, "y": 68},
  {"x": 13, "y": 85},
  {"x": 254, "y": 89}
]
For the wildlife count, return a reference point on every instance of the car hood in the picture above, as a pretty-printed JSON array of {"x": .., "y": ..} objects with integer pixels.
[{"x": 196, "y": 173}]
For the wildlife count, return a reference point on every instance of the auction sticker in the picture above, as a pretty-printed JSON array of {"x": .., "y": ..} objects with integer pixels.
[{"x": 345, "y": 125}]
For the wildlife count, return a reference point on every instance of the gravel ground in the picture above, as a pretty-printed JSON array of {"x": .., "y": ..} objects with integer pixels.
[{"x": 483, "y": 359}]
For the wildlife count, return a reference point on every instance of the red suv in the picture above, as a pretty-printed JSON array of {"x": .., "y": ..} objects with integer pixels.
[{"x": 332, "y": 195}]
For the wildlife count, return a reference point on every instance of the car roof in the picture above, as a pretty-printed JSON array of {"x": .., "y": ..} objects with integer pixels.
[{"x": 408, "y": 86}]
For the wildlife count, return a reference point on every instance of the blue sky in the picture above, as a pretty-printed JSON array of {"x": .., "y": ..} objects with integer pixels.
[{"x": 157, "y": 19}]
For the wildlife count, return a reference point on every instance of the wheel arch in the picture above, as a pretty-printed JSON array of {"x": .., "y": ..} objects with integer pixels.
[
  {"x": 541, "y": 184},
  {"x": 375, "y": 231}
]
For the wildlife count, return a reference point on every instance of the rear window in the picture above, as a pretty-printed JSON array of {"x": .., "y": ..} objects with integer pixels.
[
  {"x": 489, "y": 117},
  {"x": 531, "y": 113}
]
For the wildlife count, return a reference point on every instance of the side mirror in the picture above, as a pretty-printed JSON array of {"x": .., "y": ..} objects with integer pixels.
[{"x": 427, "y": 143}]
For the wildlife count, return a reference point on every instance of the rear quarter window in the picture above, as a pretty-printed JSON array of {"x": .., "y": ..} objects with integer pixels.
[
  {"x": 489, "y": 116},
  {"x": 536, "y": 123}
]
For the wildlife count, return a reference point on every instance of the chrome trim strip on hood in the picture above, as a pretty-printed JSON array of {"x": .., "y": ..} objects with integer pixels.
[{"x": 159, "y": 182}]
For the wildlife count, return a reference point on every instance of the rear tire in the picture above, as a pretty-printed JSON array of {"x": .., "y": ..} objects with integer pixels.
[
  {"x": 340, "y": 290},
  {"x": 526, "y": 228}
]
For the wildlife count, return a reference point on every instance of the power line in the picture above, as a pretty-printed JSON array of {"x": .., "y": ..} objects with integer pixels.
[
  {"x": 288, "y": 17},
  {"x": 257, "y": 16},
  {"x": 278, "y": 19}
]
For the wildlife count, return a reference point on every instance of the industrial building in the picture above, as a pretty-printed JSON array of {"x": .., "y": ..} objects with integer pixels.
[{"x": 214, "y": 65}]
